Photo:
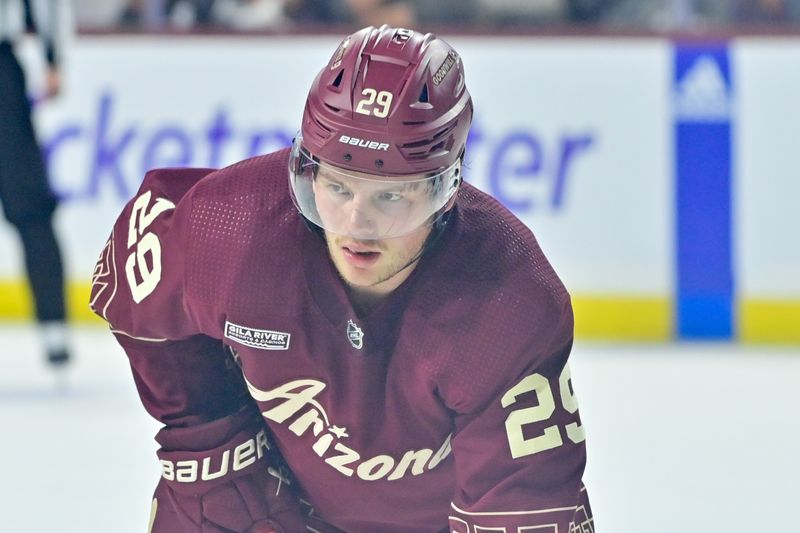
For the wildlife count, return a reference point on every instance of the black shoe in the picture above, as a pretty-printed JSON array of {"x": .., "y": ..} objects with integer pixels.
[{"x": 58, "y": 358}]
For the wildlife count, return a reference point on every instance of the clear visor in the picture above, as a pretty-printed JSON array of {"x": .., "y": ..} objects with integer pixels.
[{"x": 367, "y": 206}]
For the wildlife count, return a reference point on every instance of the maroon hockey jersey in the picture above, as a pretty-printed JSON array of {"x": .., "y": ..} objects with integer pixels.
[{"x": 449, "y": 405}]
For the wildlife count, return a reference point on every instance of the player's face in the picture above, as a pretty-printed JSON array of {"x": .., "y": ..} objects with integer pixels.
[
  {"x": 362, "y": 211},
  {"x": 376, "y": 266}
]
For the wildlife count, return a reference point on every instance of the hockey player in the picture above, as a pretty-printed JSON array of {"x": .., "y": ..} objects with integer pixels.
[{"x": 350, "y": 309}]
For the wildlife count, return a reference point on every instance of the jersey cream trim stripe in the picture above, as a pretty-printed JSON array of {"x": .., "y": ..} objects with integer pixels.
[
  {"x": 115, "y": 331},
  {"x": 512, "y": 513}
]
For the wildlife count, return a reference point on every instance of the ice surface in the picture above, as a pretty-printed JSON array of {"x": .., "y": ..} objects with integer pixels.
[{"x": 682, "y": 438}]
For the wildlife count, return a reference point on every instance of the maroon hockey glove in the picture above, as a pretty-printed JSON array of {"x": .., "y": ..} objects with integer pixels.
[{"x": 218, "y": 477}]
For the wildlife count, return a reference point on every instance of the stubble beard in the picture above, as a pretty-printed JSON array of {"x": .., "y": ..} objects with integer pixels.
[{"x": 397, "y": 262}]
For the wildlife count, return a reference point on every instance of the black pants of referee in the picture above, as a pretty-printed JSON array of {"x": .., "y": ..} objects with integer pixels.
[{"x": 27, "y": 200}]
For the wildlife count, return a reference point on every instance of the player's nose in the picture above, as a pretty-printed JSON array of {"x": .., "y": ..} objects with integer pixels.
[{"x": 361, "y": 220}]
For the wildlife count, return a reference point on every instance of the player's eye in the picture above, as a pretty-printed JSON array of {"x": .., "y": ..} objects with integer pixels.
[
  {"x": 337, "y": 188},
  {"x": 389, "y": 196}
]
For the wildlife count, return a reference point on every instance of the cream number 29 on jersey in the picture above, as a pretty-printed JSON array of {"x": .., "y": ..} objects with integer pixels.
[
  {"x": 143, "y": 278},
  {"x": 551, "y": 436}
]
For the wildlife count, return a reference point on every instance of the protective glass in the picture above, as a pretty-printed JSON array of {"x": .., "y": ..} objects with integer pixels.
[{"x": 367, "y": 206}]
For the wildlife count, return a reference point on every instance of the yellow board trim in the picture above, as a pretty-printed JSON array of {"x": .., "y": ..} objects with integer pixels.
[
  {"x": 623, "y": 318},
  {"x": 596, "y": 317},
  {"x": 640, "y": 319},
  {"x": 16, "y": 302},
  {"x": 769, "y": 321}
]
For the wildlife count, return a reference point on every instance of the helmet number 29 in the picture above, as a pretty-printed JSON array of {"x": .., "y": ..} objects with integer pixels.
[
  {"x": 376, "y": 103},
  {"x": 141, "y": 244},
  {"x": 518, "y": 418}
]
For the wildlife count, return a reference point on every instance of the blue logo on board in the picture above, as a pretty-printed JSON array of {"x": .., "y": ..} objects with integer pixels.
[{"x": 702, "y": 93}]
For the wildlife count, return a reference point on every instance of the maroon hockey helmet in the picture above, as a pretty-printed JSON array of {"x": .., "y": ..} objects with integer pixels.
[
  {"x": 390, "y": 101},
  {"x": 390, "y": 106}
]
